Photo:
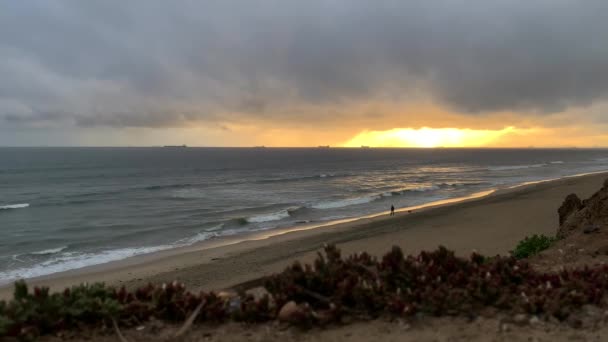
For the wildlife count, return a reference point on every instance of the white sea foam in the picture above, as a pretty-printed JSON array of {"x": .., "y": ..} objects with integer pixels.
[
  {"x": 424, "y": 188},
  {"x": 556, "y": 162},
  {"x": 276, "y": 216},
  {"x": 14, "y": 206},
  {"x": 325, "y": 175},
  {"x": 515, "y": 167},
  {"x": 421, "y": 188},
  {"x": 74, "y": 260},
  {"x": 71, "y": 260},
  {"x": 345, "y": 202},
  {"x": 49, "y": 251},
  {"x": 202, "y": 236},
  {"x": 367, "y": 199}
]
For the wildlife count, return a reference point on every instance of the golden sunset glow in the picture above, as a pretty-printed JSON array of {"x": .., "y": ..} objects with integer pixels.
[{"x": 429, "y": 137}]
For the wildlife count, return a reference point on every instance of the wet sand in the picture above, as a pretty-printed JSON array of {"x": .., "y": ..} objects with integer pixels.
[{"x": 491, "y": 225}]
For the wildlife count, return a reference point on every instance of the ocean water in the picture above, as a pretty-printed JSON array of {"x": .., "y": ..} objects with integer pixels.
[{"x": 67, "y": 208}]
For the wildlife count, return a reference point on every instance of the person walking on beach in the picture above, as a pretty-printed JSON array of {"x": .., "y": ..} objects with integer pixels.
[{"x": 392, "y": 210}]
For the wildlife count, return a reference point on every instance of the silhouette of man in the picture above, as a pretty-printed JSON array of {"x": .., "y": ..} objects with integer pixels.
[{"x": 392, "y": 210}]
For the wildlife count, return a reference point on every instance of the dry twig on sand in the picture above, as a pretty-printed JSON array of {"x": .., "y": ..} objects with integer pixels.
[
  {"x": 190, "y": 320},
  {"x": 120, "y": 336}
]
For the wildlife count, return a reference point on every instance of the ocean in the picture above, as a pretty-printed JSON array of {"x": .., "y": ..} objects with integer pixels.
[{"x": 67, "y": 208}]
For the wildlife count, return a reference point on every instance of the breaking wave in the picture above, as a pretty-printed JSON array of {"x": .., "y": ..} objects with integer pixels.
[
  {"x": 275, "y": 216},
  {"x": 14, "y": 206},
  {"x": 515, "y": 167},
  {"x": 302, "y": 178},
  {"x": 345, "y": 202},
  {"x": 74, "y": 260},
  {"x": 49, "y": 251},
  {"x": 202, "y": 236},
  {"x": 367, "y": 199}
]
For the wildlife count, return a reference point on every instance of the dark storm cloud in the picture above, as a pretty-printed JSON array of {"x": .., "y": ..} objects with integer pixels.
[{"x": 162, "y": 63}]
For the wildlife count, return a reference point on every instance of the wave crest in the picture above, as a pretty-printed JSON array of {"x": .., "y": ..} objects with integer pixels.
[
  {"x": 168, "y": 186},
  {"x": 49, "y": 251},
  {"x": 70, "y": 261},
  {"x": 65, "y": 261},
  {"x": 302, "y": 178},
  {"x": 515, "y": 167},
  {"x": 275, "y": 216},
  {"x": 14, "y": 206},
  {"x": 345, "y": 202}
]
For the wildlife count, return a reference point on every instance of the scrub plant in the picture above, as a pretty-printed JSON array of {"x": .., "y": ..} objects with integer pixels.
[
  {"x": 360, "y": 286},
  {"x": 532, "y": 245}
]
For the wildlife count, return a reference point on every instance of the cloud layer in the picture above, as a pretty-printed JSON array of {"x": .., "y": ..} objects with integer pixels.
[{"x": 170, "y": 63}]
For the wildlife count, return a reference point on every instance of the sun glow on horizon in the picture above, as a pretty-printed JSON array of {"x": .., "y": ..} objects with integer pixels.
[{"x": 429, "y": 137}]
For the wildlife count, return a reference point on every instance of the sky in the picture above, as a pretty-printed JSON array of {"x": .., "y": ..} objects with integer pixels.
[{"x": 472, "y": 73}]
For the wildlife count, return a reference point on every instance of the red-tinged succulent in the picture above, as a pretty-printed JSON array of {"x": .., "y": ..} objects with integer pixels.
[{"x": 433, "y": 283}]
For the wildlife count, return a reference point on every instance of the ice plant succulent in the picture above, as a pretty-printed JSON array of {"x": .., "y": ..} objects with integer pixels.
[{"x": 432, "y": 283}]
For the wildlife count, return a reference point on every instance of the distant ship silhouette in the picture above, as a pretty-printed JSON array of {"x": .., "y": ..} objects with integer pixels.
[
  {"x": 175, "y": 146},
  {"x": 323, "y": 146}
]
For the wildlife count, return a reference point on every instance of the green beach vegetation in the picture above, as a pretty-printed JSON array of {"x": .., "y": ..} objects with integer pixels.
[
  {"x": 334, "y": 287},
  {"x": 532, "y": 245}
]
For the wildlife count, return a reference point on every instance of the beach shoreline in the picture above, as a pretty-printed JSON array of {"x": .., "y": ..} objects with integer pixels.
[{"x": 216, "y": 264}]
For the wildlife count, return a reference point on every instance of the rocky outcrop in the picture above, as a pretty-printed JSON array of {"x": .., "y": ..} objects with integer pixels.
[
  {"x": 570, "y": 205},
  {"x": 588, "y": 216}
]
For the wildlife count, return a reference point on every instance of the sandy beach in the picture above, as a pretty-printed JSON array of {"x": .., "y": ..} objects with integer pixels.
[{"x": 492, "y": 224}]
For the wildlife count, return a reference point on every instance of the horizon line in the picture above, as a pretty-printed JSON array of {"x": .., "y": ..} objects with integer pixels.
[{"x": 321, "y": 147}]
